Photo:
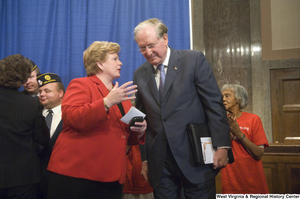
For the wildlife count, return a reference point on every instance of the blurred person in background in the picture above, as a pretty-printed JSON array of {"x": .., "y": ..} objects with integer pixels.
[
  {"x": 248, "y": 140},
  {"x": 31, "y": 86},
  {"x": 135, "y": 186}
]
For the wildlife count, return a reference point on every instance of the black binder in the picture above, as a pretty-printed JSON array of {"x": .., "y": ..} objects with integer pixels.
[{"x": 195, "y": 132}]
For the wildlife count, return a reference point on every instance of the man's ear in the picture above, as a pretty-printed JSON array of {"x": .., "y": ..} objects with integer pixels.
[
  {"x": 165, "y": 38},
  {"x": 61, "y": 93}
]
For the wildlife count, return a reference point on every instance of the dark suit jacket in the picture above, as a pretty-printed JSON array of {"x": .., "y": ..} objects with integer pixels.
[
  {"x": 191, "y": 95},
  {"x": 23, "y": 131},
  {"x": 24, "y": 92},
  {"x": 46, "y": 153},
  {"x": 44, "y": 160}
]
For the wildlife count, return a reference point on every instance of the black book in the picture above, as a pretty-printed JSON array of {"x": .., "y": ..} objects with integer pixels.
[{"x": 195, "y": 133}]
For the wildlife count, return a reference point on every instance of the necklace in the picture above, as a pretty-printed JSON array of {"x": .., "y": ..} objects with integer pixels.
[
  {"x": 239, "y": 114},
  {"x": 111, "y": 87}
]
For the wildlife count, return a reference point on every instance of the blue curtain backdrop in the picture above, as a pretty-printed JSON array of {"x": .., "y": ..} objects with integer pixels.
[{"x": 54, "y": 33}]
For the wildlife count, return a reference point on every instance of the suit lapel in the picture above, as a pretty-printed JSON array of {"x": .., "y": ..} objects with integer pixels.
[
  {"x": 149, "y": 76},
  {"x": 173, "y": 68},
  {"x": 55, "y": 135}
]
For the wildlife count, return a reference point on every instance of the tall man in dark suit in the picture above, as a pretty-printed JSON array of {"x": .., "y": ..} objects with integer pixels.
[
  {"x": 23, "y": 132},
  {"x": 51, "y": 92},
  {"x": 190, "y": 95}
]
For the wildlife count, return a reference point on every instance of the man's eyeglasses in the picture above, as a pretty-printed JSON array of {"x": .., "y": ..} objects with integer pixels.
[{"x": 150, "y": 46}]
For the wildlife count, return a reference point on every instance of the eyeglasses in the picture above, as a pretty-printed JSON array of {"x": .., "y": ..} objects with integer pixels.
[{"x": 150, "y": 46}]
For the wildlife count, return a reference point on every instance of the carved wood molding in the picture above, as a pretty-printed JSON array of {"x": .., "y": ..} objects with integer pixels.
[
  {"x": 291, "y": 108},
  {"x": 282, "y": 149}
]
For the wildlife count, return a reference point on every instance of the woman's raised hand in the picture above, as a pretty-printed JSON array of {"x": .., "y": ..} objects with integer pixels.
[{"x": 120, "y": 94}]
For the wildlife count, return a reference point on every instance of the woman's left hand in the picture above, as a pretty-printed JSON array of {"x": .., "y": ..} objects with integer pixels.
[
  {"x": 120, "y": 94},
  {"x": 140, "y": 127},
  {"x": 234, "y": 126}
]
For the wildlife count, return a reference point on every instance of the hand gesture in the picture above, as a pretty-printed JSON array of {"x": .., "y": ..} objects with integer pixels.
[
  {"x": 234, "y": 126},
  {"x": 120, "y": 94}
]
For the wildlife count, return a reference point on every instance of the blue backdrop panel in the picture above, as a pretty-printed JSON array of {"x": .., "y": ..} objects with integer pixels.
[{"x": 54, "y": 33}]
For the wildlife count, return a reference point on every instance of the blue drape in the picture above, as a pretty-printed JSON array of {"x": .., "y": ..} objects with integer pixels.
[{"x": 54, "y": 33}]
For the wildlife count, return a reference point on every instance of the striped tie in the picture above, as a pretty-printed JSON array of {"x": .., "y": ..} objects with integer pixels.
[{"x": 49, "y": 118}]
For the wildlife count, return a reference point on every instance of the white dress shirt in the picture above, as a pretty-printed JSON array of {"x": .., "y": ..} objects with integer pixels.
[{"x": 56, "y": 118}]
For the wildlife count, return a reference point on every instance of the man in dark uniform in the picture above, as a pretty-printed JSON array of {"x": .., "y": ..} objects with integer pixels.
[{"x": 51, "y": 92}]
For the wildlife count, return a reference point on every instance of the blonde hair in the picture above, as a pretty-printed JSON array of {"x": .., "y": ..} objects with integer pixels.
[
  {"x": 97, "y": 52},
  {"x": 160, "y": 28}
]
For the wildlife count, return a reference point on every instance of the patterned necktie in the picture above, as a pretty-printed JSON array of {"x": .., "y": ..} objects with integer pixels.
[
  {"x": 49, "y": 118},
  {"x": 161, "y": 67}
]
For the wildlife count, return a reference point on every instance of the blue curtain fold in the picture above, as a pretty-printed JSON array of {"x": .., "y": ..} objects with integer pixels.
[{"x": 54, "y": 33}]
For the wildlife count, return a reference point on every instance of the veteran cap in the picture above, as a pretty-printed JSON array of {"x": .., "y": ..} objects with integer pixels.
[
  {"x": 47, "y": 78},
  {"x": 34, "y": 66}
]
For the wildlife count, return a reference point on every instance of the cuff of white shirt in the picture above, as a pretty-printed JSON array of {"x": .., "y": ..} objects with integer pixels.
[{"x": 223, "y": 147}]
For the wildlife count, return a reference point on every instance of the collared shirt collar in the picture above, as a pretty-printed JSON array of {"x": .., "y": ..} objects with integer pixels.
[
  {"x": 166, "y": 61},
  {"x": 55, "y": 110}
]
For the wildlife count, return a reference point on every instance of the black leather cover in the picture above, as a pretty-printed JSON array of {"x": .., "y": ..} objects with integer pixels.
[{"x": 195, "y": 132}]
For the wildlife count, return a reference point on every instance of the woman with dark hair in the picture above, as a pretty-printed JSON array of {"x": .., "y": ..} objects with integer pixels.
[
  {"x": 248, "y": 140},
  {"x": 89, "y": 156},
  {"x": 23, "y": 131}
]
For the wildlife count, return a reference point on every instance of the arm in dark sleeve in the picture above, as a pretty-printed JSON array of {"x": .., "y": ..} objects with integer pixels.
[
  {"x": 41, "y": 134},
  {"x": 212, "y": 100}
]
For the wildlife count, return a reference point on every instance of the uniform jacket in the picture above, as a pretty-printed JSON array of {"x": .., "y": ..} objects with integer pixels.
[
  {"x": 191, "y": 95},
  {"x": 23, "y": 132},
  {"x": 44, "y": 156},
  {"x": 93, "y": 142},
  {"x": 46, "y": 153}
]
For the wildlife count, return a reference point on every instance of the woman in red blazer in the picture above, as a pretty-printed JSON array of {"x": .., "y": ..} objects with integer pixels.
[{"x": 89, "y": 157}]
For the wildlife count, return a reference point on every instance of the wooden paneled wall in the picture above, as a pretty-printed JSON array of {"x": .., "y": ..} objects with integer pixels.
[{"x": 282, "y": 168}]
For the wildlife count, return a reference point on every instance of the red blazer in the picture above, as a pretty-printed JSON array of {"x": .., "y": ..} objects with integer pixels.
[{"x": 93, "y": 142}]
